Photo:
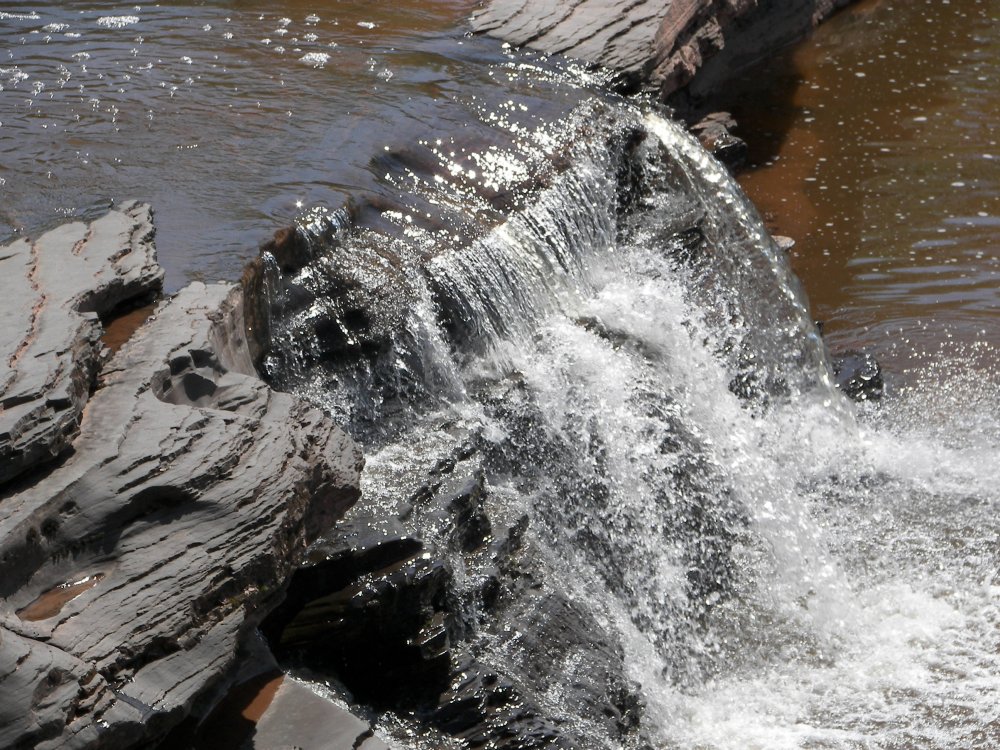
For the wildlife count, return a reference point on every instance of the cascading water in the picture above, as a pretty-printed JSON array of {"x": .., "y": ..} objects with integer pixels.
[{"x": 627, "y": 369}]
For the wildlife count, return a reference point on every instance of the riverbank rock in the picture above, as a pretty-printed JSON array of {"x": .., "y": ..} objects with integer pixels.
[
  {"x": 131, "y": 570},
  {"x": 662, "y": 45},
  {"x": 55, "y": 289},
  {"x": 715, "y": 133}
]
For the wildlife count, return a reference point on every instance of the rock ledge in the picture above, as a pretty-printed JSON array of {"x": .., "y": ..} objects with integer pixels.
[{"x": 131, "y": 570}]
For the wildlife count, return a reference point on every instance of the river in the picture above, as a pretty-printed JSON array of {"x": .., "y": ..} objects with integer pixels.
[
  {"x": 773, "y": 566},
  {"x": 231, "y": 118}
]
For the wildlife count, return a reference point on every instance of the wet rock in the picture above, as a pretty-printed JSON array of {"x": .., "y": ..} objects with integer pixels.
[
  {"x": 378, "y": 607},
  {"x": 658, "y": 44},
  {"x": 189, "y": 493},
  {"x": 55, "y": 288},
  {"x": 785, "y": 244},
  {"x": 370, "y": 607},
  {"x": 859, "y": 375},
  {"x": 705, "y": 42},
  {"x": 298, "y": 717},
  {"x": 714, "y": 131}
]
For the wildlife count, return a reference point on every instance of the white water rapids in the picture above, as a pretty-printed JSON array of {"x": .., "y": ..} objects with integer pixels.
[{"x": 786, "y": 572}]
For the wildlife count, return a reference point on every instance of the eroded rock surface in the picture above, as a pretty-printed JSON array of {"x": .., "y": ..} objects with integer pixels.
[
  {"x": 661, "y": 44},
  {"x": 189, "y": 493},
  {"x": 54, "y": 289}
]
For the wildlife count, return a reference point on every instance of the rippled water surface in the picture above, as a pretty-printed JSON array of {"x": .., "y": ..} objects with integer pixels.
[
  {"x": 229, "y": 117},
  {"x": 878, "y": 150}
]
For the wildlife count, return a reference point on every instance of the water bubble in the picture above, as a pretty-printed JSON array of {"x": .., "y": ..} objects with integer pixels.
[
  {"x": 117, "y": 22},
  {"x": 316, "y": 59}
]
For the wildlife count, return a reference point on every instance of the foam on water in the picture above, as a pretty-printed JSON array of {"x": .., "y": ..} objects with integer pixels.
[
  {"x": 861, "y": 609},
  {"x": 908, "y": 658}
]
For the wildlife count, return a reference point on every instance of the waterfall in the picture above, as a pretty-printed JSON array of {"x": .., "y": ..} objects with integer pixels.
[{"x": 627, "y": 370}]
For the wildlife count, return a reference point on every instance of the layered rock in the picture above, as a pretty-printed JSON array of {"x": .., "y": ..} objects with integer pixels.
[
  {"x": 54, "y": 290},
  {"x": 659, "y": 44},
  {"x": 131, "y": 570}
]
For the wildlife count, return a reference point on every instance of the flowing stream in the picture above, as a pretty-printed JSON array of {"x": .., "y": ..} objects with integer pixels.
[
  {"x": 781, "y": 569},
  {"x": 612, "y": 327}
]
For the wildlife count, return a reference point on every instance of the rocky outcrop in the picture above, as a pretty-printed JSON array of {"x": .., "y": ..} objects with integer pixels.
[
  {"x": 658, "y": 44},
  {"x": 132, "y": 569},
  {"x": 55, "y": 289},
  {"x": 380, "y": 608},
  {"x": 617, "y": 35},
  {"x": 859, "y": 375}
]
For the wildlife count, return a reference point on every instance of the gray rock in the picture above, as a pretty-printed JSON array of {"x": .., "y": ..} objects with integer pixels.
[
  {"x": 300, "y": 718},
  {"x": 661, "y": 44},
  {"x": 785, "y": 244},
  {"x": 190, "y": 492},
  {"x": 617, "y": 35},
  {"x": 54, "y": 288}
]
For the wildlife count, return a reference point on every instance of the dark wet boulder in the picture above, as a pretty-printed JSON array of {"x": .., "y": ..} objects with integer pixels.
[
  {"x": 377, "y": 607},
  {"x": 859, "y": 375},
  {"x": 371, "y": 608},
  {"x": 715, "y": 132}
]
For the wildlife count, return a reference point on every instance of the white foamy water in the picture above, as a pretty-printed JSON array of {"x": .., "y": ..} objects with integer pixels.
[
  {"x": 117, "y": 22},
  {"x": 316, "y": 59},
  {"x": 863, "y": 609}
]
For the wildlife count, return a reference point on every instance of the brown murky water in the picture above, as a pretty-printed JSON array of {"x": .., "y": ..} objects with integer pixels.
[
  {"x": 231, "y": 117},
  {"x": 51, "y": 602},
  {"x": 876, "y": 148}
]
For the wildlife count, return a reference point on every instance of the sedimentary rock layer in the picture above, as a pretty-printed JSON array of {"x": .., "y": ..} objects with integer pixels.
[
  {"x": 130, "y": 571},
  {"x": 54, "y": 290},
  {"x": 661, "y": 44}
]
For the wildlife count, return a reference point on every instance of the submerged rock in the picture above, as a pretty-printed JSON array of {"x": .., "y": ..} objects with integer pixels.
[
  {"x": 859, "y": 375},
  {"x": 132, "y": 569}
]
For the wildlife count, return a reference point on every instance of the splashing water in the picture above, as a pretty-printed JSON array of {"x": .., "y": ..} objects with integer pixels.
[{"x": 780, "y": 573}]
